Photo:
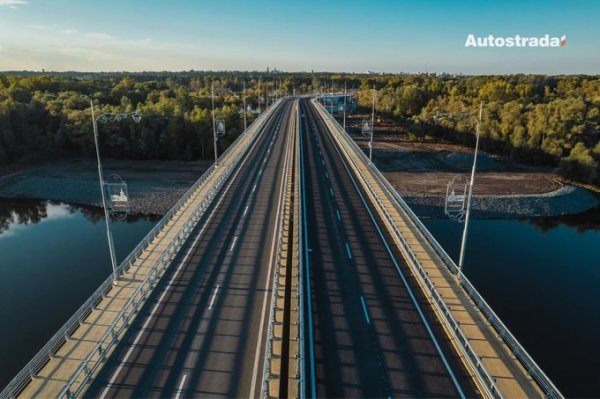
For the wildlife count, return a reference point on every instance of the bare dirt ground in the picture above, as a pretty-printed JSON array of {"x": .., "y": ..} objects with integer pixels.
[
  {"x": 426, "y": 167},
  {"x": 154, "y": 186},
  {"x": 421, "y": 170}
]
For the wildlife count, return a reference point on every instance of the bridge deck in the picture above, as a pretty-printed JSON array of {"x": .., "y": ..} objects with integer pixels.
[
  {"x": 64, "y": 364},
  {"x": 511, "y": 377}
]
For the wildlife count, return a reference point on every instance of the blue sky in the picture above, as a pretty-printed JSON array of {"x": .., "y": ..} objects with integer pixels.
[{"x": 352, "y": 36}]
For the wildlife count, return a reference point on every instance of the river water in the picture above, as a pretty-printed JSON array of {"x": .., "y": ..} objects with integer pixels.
[
  {"x": 542, "y": 276},
  {"x": 52, "y": 257}
]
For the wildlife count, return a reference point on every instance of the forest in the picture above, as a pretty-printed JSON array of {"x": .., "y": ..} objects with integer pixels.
[
  {"x": 552, "y": 120},
  {"x": 536, "y": 119}
]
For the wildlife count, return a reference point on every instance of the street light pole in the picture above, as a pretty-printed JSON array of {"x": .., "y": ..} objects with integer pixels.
[
  {"x": 469, "y": 196},
  {"x": 111, "y": 244},
  {"x": 344, "y": 125},
  {"x": 212, "y": 97},
  {"x": 372, "y": 128},
  {"x": 267, "y": 95},
  {"x": 244, "y": 97},
  {"x": 107, "y": 117}
]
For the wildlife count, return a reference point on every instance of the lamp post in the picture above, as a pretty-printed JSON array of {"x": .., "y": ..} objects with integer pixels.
[
  {"x": 212, "y": 98},
  {"x": 463, "y": 244},
  {"x": 344, "y": 125},
  {"x": 244, "y": 99},
  {"x": 105, "y": 118},
  {"x": 372, "y": 128},
  {"x": 267, "y": 95}
]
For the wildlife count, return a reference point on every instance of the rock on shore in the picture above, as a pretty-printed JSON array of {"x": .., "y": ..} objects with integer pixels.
[
  {"x": 564, "y": 201},
  {"x": 153, "y": 186}
]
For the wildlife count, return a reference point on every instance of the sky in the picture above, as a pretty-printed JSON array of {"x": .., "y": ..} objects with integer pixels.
[{"x": 341, "y": 36}]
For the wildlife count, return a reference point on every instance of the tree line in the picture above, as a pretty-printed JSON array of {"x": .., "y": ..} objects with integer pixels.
[
  {"x": 530, "y": 118},
  {"x": 43, "y": 116}
]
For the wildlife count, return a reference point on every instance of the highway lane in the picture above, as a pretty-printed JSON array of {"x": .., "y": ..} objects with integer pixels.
[
  {"x": 374, "y": 334},
  {"x": 202, "y": 334}
]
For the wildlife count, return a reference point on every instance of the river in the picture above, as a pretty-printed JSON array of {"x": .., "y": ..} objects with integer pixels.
[
  {"x": 52, "y": 257},
  {"x": 540, "y": 275}
]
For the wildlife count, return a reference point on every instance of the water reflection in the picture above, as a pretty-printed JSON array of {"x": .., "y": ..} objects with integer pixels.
[
  {"x": 541, "y": 276},
  {"x": 18, "y": 212},
  {"x": 52, "y": 257},
  {"x": 581, "y": 222}
]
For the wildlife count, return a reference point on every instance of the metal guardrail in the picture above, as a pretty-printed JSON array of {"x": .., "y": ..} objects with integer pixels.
[
  {"x": 550, "y": 390},
  {"x": 269, "y": 350},
  {"x": 43, "y": 356},
  {"x": 486, "y": 380},
  {"x": 300, "y": 229},
  {"x": 78, "y": 381}
]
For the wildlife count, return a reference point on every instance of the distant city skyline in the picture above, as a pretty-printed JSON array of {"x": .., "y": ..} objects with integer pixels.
[{"x": 334, "y": 36}]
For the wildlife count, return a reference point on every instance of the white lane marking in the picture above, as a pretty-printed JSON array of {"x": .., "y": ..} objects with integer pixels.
[
  {"x": 337, "y": 211},
  {"x": 155, "y": 308},
  {"x": 364, "y": 306},
  {"x": 266, "y": 295},
  {"x": 348, "y": 250},
  {"x": 180, "y": 389},
  {"x": 212, "y": 300},
  {"x": 254, "y": 188},
  {"x": 233, "y": 245},
  {"x": 404, "y": 281},
  {"x": 246, "y": 210},
  {"x": 327, "y": 175},
  {"x": 260, "y": 172},
  {"x": 170, "y": 283},
  {"x": 323, "y": 162},
  {"x": 331, "y": 189}
]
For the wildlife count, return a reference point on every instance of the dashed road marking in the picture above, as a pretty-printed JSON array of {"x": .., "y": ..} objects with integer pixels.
[
  {"x": 364, "y": 306},
  {"x": 212, "y": 301}
]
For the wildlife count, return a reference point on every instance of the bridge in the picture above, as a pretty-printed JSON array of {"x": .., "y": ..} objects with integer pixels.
[{"x": 291, "y": 269}]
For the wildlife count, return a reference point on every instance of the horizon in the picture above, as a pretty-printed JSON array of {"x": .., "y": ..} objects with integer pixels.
[
  {"x": 338, "y": 36},
  {"x": 249, "y": 71}
]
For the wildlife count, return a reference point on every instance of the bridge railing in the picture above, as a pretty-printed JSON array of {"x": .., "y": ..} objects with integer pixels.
[
  {"x": 272, "y": 309},
  {"x": 300, "y": 229},
  {"x": 45, "y": 354},
  {"x": 280, "y": 254},
  {"x": 78, "y": 382},
  {"x": 550, "y": 390}
]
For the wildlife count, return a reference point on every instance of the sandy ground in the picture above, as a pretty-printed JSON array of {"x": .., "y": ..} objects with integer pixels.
[
  {"x": 154, "y": 186},
  {"x": 421, "y": 171}
]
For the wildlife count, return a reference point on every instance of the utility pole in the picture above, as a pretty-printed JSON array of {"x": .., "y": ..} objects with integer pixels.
[
  {"x": 212, "y": 96},
  {"x": 469, "y": 196}
]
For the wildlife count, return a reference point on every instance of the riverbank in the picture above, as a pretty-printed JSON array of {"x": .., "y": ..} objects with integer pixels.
[
  {"x": 154, "y": 186},
  {"x": 420, "y": 171},
  {"x": 567, "y": 200}
]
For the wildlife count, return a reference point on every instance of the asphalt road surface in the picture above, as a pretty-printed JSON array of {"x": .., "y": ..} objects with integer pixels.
[
  {"x": 370, "y": 331},
  {"x": 202, "y": 333}
]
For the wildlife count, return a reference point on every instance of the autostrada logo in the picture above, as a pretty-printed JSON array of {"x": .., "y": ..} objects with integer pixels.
[{"x": 515, "y": 41}]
